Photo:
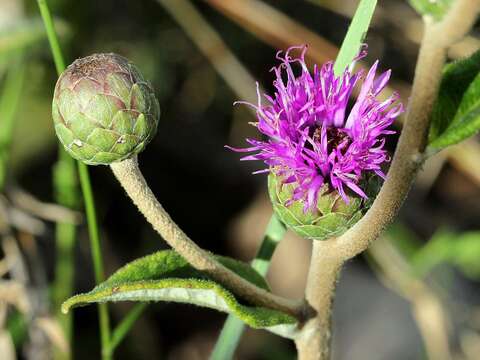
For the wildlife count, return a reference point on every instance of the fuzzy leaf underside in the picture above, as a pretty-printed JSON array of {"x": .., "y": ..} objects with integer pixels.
[
  {"x": 166, "y": 276},
  {"x": 455, "y": 115}
]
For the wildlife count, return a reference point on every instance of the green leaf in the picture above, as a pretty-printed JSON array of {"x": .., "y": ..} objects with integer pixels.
[
  {"x": 466, "y": 121},
  {"x": 436, "y": 9},
  {"x": 456, "y": 79},
  {"x": 355, "y": 35},
  {"x": 166, "y": 276}
]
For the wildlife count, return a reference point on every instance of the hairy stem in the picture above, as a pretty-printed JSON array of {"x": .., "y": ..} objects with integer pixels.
[
  {"x": 315, "y": 337},
  {"x": 328, "y": 256},
  {"x": 132, "y": 180}
]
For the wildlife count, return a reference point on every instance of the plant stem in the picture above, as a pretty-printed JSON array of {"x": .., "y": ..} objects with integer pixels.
[
  {"x": 315, "y": 337},
  {"x": 124, "y": 327},
  {"x": 52, "y": 36},
  {"x": 96, "y": 254},
  {"x": 132, "y": 180},
  {"x": 274, "y": 233},
  {"x": 62, "y": 287},
  {"x": 67, "y": 162},
  {"x": 355, "y": 35},
  {"x": 8, "y": 106},
  {"x": 234, "y": 327}
]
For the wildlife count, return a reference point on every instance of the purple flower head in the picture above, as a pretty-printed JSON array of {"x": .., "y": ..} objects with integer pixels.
[{"x": 312, "y": 141}]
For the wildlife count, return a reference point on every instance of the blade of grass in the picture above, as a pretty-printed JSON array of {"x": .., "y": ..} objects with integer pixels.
[
  {"x": 85, "y": 183},
  {"x": 10, "y": 97},
  {"x": 355, "y": 35},
  {"x": 96, "y": 254},
  {"x": 233, "y": 328},
  {"x": 122, "y": 329}
]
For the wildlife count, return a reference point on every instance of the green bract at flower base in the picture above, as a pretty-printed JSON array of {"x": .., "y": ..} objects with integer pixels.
[
  {"x": 331, "y": 217},
  {"x": 103, "y": 109}
]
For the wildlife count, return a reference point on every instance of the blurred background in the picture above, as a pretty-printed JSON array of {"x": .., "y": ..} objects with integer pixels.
[{"x": 414, "y": 295}]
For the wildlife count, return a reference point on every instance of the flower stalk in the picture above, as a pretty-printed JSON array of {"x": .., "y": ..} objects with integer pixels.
[
  {"x": 130, "y": 177},
  {"x": 314, "y": 341}
]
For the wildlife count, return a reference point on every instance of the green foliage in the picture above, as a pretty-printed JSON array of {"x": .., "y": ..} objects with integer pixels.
[
  {"x": 457, "y": 76},
  {"x": 461, "y": 250},
  {"x": 455, "y": 115},
  {"x": 166, "y": 276},
  {"x": 436, "y": 9},
  {"x": 355, "y": 35}
]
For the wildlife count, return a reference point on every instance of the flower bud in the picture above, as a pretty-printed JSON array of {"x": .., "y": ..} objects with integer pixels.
[
  {"x": 331, "y": 216},
  {"x": 103, "y": 110}
]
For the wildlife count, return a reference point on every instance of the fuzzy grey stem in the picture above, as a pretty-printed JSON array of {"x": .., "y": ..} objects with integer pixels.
[
  {"x": 132, "y": 180},
  {"x": 315, "y": 337}
]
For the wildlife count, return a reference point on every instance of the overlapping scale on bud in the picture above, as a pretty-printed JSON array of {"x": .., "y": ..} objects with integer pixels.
[
  {"x": 325, "y": 158},
  {"x": 104, "y": 110},
  {"x": 330, "y": 217}
]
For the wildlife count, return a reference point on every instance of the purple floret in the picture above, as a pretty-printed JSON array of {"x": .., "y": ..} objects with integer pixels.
[{"x": 312, "y": 142}]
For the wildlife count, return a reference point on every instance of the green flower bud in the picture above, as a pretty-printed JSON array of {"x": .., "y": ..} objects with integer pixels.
[
  {"x": 331, "y": 217},
  {"x": 103, "y": 110}
]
